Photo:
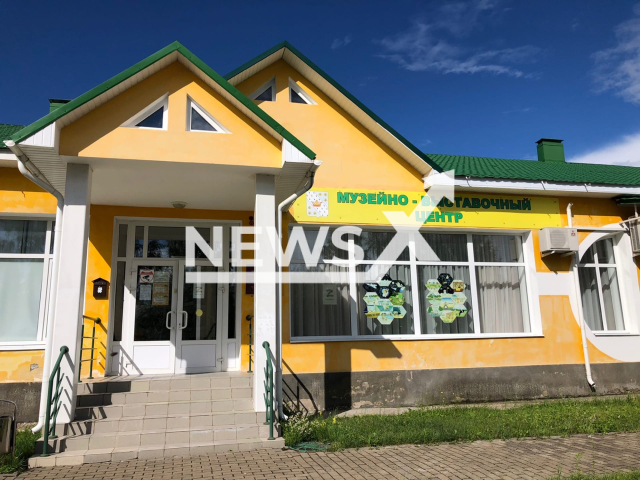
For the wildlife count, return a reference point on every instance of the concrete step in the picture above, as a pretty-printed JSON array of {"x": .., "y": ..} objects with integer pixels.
[
  {"x": 175, "y": 382},
  {"x": 157, "y": 422},
  {"x": 99, "y": 441},
  {"x": 159, "y": 396},
  {"x": 114, "y": 412},
  {"x": 152, "y": 451}
]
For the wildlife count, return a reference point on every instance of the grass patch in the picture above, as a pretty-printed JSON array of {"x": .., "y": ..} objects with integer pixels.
[
  {"x": 437, "y": 425},
  {"x": 607, "y": 476},
  {"x": 25, "y": 446}
]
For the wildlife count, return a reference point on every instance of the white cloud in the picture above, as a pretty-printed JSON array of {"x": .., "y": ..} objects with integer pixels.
[
  {"x": 438, "y": 45},
  {"x": 625, "y": 151},
  {"x": 618, "y": 68},
  {"x": 341, "y": 42}
]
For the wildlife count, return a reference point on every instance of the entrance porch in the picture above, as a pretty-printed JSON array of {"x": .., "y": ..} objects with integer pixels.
[{"x": 162, "y": 415}]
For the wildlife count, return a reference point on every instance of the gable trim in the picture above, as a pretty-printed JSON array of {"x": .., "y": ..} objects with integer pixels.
[
  {"x": 279, "y": 51},
  {"x": 104, "y": 87}
]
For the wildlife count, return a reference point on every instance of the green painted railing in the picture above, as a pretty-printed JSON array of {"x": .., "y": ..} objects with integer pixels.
[
  {"x": 249, "y": 319},
  {"x": 53, "y": 400},
  {"x": 268, "y": 390},
  {"x": 96, "y": 321}
]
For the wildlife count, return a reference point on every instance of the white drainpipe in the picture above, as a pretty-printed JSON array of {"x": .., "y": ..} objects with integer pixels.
[
  {"x": 283, "y": 204},
  {"x": 583, "y": 327},
  {"x": 30, "y": 171}
]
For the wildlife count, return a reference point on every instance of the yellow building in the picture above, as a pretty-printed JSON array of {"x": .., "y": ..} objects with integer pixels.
[{"x": 518, "y": 282}]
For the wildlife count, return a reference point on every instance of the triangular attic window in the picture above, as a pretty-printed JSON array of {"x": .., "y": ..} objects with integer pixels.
[
  {"x": 201, "y": 121},
  {"x": 296, "y": 98},
  {"x": 154, "y": 120},
  {"x": 298, "y": 95},
  {"x": 153, "y": 116},
  {"x": 267, "y": 95},
  {"x": 266, "y": 92}
]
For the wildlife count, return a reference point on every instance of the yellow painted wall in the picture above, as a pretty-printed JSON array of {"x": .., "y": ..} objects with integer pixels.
[
  {"x": 348, "y": 151},
  {"x": 19, "y": 195},
  {"x": 16, "y": 366},
  {"x": 354, "y": 160},
  {"x": 99, "y": 134}
]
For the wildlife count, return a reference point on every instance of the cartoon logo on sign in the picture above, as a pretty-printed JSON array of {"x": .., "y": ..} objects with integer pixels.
[{"x": 318, "y": 204}]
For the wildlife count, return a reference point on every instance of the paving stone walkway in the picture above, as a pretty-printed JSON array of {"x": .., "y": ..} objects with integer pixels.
[{"x": 509, "y": 460}]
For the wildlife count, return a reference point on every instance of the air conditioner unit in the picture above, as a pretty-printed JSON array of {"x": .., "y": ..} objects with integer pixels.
[
  {"x": 634, "y": 232},
  {"x": 558, "y": 240}
]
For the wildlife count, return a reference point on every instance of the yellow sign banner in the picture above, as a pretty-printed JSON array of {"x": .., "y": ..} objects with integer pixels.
[{"x": 367, "y": 207}]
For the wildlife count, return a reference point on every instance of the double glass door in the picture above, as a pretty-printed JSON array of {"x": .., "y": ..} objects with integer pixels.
[{"x": 177, "y": 326}]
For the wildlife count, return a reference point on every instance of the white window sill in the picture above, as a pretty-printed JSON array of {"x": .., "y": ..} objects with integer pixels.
[
  {"x": 366, "y": 338},
  {"x": 615, "y": 333},
  {"x": 12, "y": 346}
]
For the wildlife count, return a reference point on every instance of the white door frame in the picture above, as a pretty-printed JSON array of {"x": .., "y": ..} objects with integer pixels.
[
  {"x": 120, "y": 352},
  {"x": 171, "y": 319},
  {"x": 221, "y": 314}
]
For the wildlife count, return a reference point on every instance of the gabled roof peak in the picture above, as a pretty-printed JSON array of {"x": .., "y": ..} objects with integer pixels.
[
  {"x": 340, "y": 95},
  {"x": 255, "y": 112}
]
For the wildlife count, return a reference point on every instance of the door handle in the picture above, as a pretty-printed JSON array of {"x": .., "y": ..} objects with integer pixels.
[
  {"x": 185, "y": 320},
  {"x": 168, "y": 320}
]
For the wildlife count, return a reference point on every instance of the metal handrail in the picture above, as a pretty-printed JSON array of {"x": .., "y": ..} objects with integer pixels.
[
  {"x": 96, "y": 321},
  {"x": 268, "y": 390},
  {"x": 249, "y": 318},
  {"x": 52, "y": 414}
]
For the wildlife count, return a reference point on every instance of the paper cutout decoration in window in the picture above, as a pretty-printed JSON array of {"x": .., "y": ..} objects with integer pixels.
[
  {"x": 384, "y": 300},
  {"x": 446, "y": 298},
  {"x": 154, "y": 120}
]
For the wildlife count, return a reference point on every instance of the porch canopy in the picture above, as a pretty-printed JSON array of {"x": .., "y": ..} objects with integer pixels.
[{"x": 141, "y": 167}]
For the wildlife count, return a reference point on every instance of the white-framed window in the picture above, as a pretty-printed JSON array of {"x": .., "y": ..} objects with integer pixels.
[
  {"x": 298, "y": 95},
  {"x": 199, "y": 120},
  {"x": 26, "y": 247},
  {"x": 598, "y": 272},
  {"x": 266, "y": 92},
  {"x": 152, "y": 117},
  {"x": 453, "y": 284}
]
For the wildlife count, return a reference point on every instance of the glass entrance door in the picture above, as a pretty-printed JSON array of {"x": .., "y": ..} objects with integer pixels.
[
  {"x": 200, "y": 313},
  {"x": 155, "y": 285},
  {"x": 168, "y": 325}
]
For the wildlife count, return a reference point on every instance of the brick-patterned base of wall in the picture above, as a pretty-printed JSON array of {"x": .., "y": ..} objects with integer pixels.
[{"x": 312, "y": 392}]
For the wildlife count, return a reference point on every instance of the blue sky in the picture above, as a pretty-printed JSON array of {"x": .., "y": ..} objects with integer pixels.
[{"x": 481, "y": 77}]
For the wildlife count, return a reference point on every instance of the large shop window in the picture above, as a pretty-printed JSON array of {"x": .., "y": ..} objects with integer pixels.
[
  {"x": 441, "y": 284},
  {"x": 599, "y": 288},
  {"x": 24, "y": 268}
]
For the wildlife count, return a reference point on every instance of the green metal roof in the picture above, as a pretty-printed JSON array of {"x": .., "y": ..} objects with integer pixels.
[
  {"x": 482, "y": 167},
  {"x": 338, "y": 87},
  {"x": 6, "y": 131},
  {"x": 38, "y": 125}
]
